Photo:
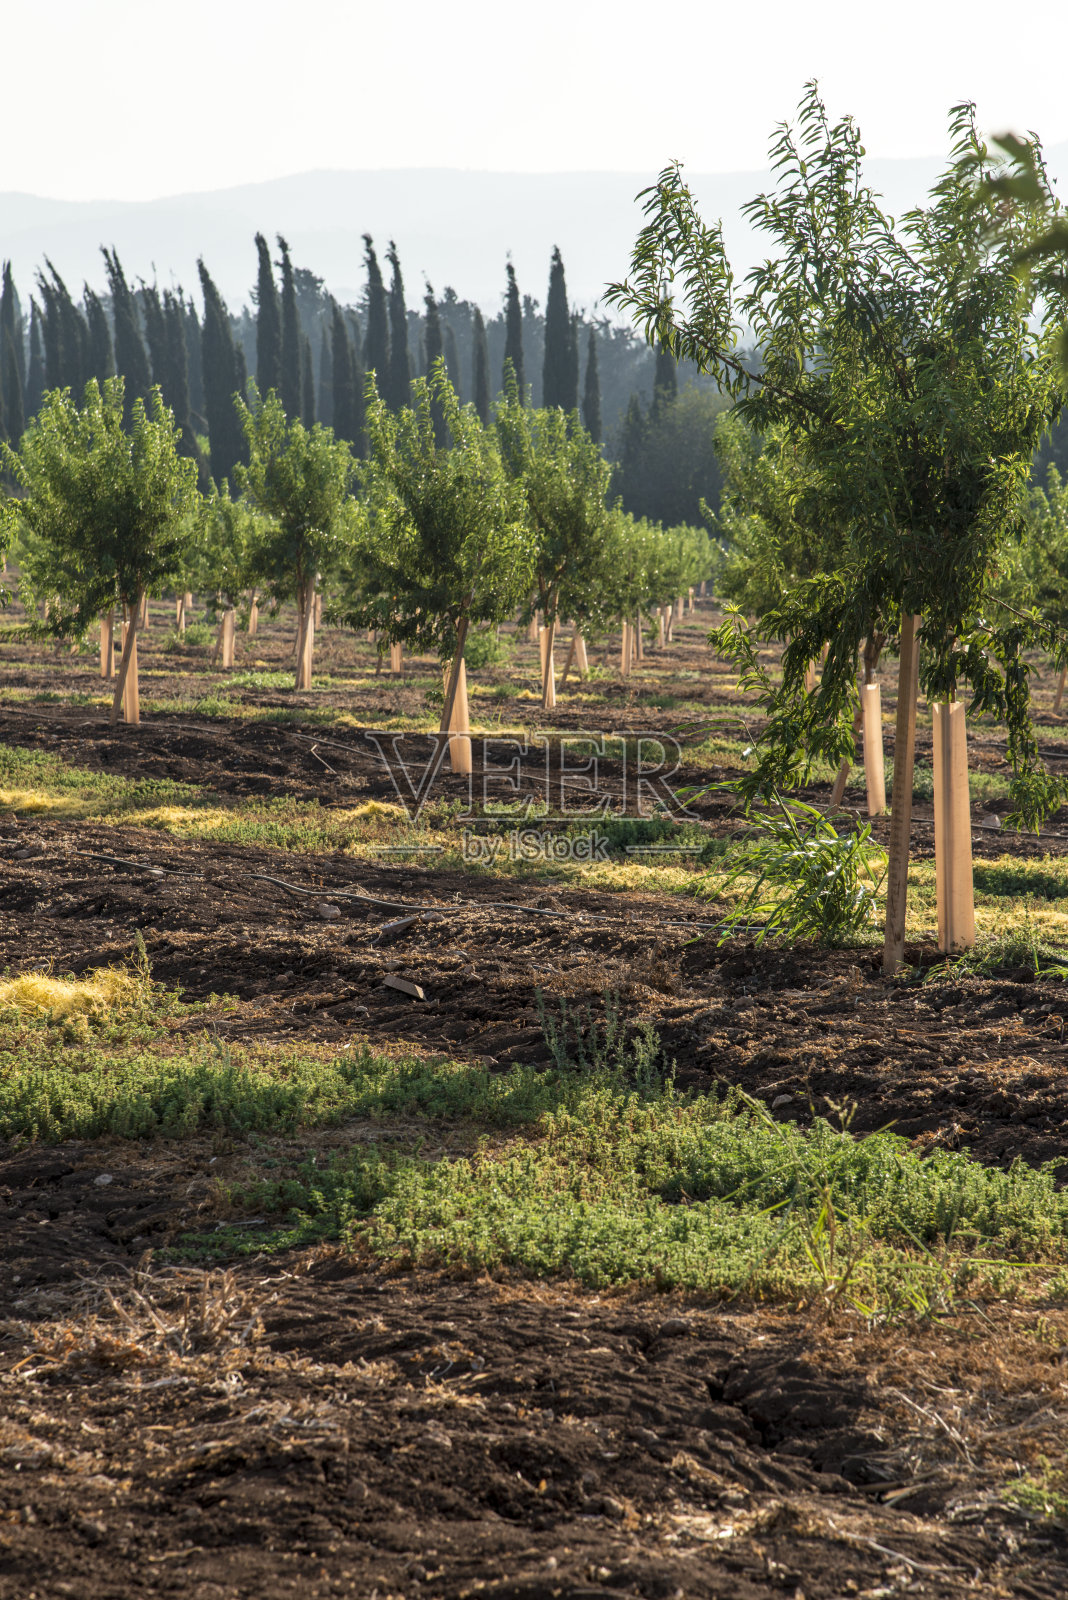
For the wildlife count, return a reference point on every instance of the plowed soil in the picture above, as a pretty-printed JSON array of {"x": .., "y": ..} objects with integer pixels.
[
  {"x": 419, "y": 1437},
  {"x": 415, "y": 1436}
]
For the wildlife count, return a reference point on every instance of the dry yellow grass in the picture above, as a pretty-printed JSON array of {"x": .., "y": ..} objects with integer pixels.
[{"x": 39, "y": 994}]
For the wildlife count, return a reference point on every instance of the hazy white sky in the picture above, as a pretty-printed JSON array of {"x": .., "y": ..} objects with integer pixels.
[{"x": 134, "y": 99}]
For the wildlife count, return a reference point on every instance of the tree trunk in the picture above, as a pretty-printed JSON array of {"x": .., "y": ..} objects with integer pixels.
[
  {"x": 953, "y": 828},
  {"x": 143, "y": 622},
  {"x": 459, "y": 749},
  {"x": 179, "y": 615},
  {"x": 305, "y": 637},
  {"x": 1060, "y": 689},
  {"x": 253, "y": 615},
  {"x": 547, "y": 639},
  {"x": 581, "y": 662},
  {"x": 532, "y": 629},
  {"x": 639, "y": 641},
  {"x": 624, "y": 651},
  {"x": 229, "y": 629},
  {"x": 107, "y": 645},
  {"x": 678, "y": 609},
  {"x": 668, "y": 614},
  {"x": 661, "y": 636},
  {"x": 897, "y": 874},
  {"x": 871, "y": 701},
  {"x": 689, "y": 600},
  {"x": 396, "y": 659},
  {"x": 127, "y": 689}
]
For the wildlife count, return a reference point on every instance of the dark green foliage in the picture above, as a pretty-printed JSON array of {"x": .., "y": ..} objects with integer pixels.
[
  {"x": 131, "y": 358},
  {"x": 155, "y": 337},
  {"x": 480, "y": 367},
  {"x": 307, "y": 382},
  {"x": 591, "y": 391},
  {"x": 395, "y": 391},
  {"x": 290, "y": 392},
  {"x": 668, "y": 461},
  {"x": 11, "y": 407},
  {"x": 12, "y": 363},
  {"x": 573, "y": 362},
  {"x": 224, "y": 378},
  {"x": 665, "y": 379},
  {"x": 101, "y": 352},
  {"x": 434, "y": 354},
  {"x": 342, "y": 378},
  {"x": 452, "y": 358},
  {"x": 326, "y": 375},
  {"x": 35, "y": 374},
  {"x": 559, "y": 373},
  {"x": 66, "y": 337},
  {"x": 177, "y": 389},
  {"x": 513, "y": 329},
  {"x": 268, "y": 322},
  {"x": 376, "y": 345},
  {"x": 194, "y": 359}
]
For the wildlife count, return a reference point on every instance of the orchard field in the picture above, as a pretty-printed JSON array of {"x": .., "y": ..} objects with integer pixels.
[{"x": 618, "y": 1259}]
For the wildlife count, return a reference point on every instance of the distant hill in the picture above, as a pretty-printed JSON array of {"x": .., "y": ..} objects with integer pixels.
[{"x": 457, "y": 227}]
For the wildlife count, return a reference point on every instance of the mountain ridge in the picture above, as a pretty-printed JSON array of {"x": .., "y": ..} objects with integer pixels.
[{"x": 456, "y": 225}]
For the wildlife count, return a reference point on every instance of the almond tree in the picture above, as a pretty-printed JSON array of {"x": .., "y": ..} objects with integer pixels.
[
  {"x": 563, "y": 480},
  {"x": 301, "y": 479},
  {"x": 107, "y": 508},
  {"x": 915, "y": 373},
  {"x": 444, "y": 543}
]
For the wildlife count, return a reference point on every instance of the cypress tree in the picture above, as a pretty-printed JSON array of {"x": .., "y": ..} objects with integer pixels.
[
  {"x": 359, "y": 387},
  {"x": 452, "y": 357},
  {"x": 326, "y": 376},
  {"x": 435, "y": 351},
  {"x": 513, "y": 333},
  {"x": 480, "y": 367},
  {"x": 12, "y": 373},
  {"x": 177, "y": 364},
  {"x": 194, "y": 363},
  {"x": 66, "y": 337},
  {"x": 11, "y": 318},
  {"x": 376, "y": 352},
  {"x": 177, "y": 358},
  {"x": 291, "y": 377},
  {"x": 223, "y": 366},
  {"x": 131, "y": 358},
  {"x": 591, "y": 393},
  {"x": 307, "y": 383},
  {"x": 665, "y": 380},
  {"x": 35, "y": 374},
  {"x": 397, "y": 389},
  {"x": 342, "y": 397},
  {"x": 632, "y": 454},
  {"x": 156, "y": 339},
  {"x": 573, "y": 363},
  {"x": 268, "y": 323},
  {"x": 101, "y": 353},
  {"x": 557, "y": 368}
]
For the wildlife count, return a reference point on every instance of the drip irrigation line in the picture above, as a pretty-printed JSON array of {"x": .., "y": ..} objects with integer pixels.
[{"x": 130, "y": 866}]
